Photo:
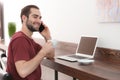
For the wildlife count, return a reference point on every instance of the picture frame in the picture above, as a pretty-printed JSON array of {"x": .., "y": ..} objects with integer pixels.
[{"x": 108, "y": 10}]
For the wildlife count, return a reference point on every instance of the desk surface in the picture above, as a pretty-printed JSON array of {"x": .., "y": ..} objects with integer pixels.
[
  {"x": 4, "y": 47},
  {"x": 102, "y": 69},
  {"x": 105, "y": 67}
]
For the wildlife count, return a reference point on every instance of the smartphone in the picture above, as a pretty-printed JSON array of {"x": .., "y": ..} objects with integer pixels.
[{"x": 41, "y": 28}]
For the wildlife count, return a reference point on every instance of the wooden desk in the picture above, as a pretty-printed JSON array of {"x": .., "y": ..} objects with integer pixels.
[
  {"x": 101, "y": 69},
  {"x": 3, "y": 47}
]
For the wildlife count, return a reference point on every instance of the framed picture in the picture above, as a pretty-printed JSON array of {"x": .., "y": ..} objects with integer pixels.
[
  {"x": 108, "y": 10},
  {"x": 1, "y": 22}
]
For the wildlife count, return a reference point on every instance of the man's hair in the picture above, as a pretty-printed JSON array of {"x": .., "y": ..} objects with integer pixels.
[{"x": 26, "y": 10}]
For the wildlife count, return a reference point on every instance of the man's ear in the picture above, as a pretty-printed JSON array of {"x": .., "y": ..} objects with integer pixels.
[{"x": 24, "y": 18}]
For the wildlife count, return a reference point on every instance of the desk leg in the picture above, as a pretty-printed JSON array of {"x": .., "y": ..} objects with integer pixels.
[
  {"x": 74, "y": 78},
  {"x": 56, "y": 75}
]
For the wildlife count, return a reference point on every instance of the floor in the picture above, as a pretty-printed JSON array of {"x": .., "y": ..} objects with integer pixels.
[{"x": 48, "y": 74}]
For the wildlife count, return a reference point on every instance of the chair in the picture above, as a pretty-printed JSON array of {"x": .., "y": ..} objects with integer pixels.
[{"x": 3, "y": 61}]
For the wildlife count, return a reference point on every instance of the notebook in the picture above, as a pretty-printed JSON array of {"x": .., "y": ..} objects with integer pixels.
[{"x": 85, "y": 49}]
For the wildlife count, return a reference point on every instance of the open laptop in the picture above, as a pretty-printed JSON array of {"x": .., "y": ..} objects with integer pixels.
[{"x": 85, "y": 49}]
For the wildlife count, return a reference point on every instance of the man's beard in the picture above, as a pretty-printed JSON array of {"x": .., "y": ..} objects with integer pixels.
[{"x": 30, "y": 27}]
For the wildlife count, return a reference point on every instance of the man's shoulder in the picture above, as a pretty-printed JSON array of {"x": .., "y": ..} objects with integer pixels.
[{"x": 18, "y": 34}]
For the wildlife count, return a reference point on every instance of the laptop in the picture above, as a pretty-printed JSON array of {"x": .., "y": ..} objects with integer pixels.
[{"x": 85, "y": 49}]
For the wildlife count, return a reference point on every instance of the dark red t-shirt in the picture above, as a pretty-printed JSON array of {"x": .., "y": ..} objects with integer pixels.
[{"x": 22, "y": 47}]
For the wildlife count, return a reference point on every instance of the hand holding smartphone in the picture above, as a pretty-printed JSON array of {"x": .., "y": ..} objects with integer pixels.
[
  {"x": 44, "y": 31},
  {"x": 41, "y": 28}
]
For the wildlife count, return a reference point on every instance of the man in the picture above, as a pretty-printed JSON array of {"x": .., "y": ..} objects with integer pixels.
[{"x": 24, "y": 55}]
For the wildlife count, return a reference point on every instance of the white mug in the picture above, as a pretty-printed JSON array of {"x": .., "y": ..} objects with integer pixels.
[{"x": 54, "y": 42}]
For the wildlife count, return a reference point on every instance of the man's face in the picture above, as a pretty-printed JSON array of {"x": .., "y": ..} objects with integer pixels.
[{"x": 34, "y": 20}]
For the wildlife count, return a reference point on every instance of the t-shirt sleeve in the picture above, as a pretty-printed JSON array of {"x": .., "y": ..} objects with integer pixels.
[{"x": 20, "y": 48}]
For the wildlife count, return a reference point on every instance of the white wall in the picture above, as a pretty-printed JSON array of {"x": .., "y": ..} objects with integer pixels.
[{"x": 67, "y": 20}]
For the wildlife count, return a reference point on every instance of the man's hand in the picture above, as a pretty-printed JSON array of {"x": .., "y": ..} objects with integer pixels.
[
  {"x": 46, "y": 33},
  {"x": 48, "y": 50}
]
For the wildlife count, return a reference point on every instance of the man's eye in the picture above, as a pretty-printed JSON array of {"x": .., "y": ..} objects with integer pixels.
[{"x": 35, "y": 16}]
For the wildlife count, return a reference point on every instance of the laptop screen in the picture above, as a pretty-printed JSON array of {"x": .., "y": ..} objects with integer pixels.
[{"x": 87, "y": 46}]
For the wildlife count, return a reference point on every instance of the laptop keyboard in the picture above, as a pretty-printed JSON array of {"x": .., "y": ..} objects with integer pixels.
[
  {"x": 71, "y": 58},
  {"x": 77, "y": 57}
]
